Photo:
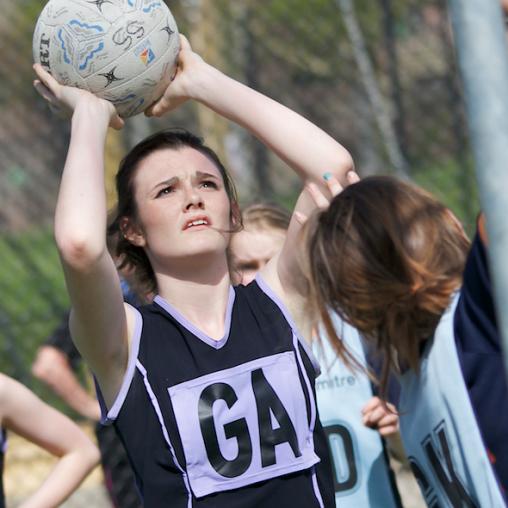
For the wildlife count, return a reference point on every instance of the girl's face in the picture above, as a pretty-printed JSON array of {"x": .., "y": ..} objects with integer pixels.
[
  {"x": 183, "y": 208},
  {"x": 252, "y": 248}
]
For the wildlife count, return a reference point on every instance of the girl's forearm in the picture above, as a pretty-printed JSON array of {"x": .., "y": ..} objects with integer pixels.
[
  {"x": 306, "y": 148},
  {"x": 80, "y": 217},
  {"x": 63, "y": 480}
]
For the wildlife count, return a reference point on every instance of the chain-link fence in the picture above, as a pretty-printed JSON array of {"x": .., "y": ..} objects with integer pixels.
[{"x": 378, "y": 75}]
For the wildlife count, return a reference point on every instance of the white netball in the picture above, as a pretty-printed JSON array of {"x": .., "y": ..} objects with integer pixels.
[{"x": 124, "y": 51}]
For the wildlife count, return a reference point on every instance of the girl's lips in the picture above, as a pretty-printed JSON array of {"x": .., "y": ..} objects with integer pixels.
[{"x": 197, "y": 222}]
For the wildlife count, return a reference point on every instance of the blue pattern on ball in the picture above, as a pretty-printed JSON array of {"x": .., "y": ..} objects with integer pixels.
[
  {"x": 65, "y": 55},
  {"x": 85, "y": 25},
  {"x": 91, "y": 55},
  {"x": 151, "y": 7}
]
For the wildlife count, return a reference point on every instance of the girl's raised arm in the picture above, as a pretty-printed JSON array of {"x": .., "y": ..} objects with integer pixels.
[
  {"x": 98, "y": 320},
  {"x": 306, "y": 148}
]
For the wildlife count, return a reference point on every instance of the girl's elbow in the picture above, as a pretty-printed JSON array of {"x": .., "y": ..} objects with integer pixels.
[
  {"x": 88, "y": 453},
  {"x": 93, "y": 456},
  {"x": 78, "y": 252}
]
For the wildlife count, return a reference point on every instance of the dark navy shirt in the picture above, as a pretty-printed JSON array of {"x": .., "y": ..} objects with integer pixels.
[
  {"x": 204, "y": 420},
  {"x": 479, "y": 349}
]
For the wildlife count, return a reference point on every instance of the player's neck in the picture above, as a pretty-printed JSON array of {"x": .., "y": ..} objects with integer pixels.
[{"x": 201, "y": 296}]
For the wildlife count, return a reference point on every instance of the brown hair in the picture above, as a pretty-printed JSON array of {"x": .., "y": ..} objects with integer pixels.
[
  {"x": 133, "y": 258},
  {"x": 386, "y": 257}
]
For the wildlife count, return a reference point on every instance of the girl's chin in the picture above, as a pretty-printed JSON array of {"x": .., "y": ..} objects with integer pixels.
[{"x": 199, "y": 249}]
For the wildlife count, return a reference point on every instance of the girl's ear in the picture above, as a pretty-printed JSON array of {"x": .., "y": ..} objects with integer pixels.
[
  {"x": 236, "y": 216},
  {"x": 132, "y": 232}
]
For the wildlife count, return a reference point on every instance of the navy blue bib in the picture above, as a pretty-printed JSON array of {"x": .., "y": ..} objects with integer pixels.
[{"x": 231, "y": 422}]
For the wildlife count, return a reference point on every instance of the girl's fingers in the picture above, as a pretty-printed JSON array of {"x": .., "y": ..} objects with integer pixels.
[
  {"x": 164, "y": 105},
  {"x": 371, "y": 404},
  {"x": 373, "y": 417},
  {"x": 44, "y": 91},
  {"x": 392, "y": 408},
  {"x": 46, "y": 78},
  {"x": 317, "y": 196},
  {"x": 389, "y": 419},
  {"x": 117, "y": 122},
  {"x": 300, "y": 218},
  {"x": 184, "y": 43},
  {"x": 388, "y": 425},
  {"x": 376, "y": 413},
  {"x": 158, "y": 107},
  {"x": 389, "y": 430},
  {"x": 352, "y": 177},
  {"x": 333, "y": 184}
]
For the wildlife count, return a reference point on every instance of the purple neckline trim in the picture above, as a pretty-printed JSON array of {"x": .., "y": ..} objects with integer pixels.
[
  {"x": 216, "y": 344},
  {"x": 271, "y": 294}
]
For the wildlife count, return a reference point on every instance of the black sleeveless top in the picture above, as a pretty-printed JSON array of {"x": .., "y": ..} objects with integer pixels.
[{"x": 209, "y": 424}]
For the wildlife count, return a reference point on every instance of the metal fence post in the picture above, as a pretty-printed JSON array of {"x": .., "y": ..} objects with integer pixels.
[{"x": 483, "y": 58}]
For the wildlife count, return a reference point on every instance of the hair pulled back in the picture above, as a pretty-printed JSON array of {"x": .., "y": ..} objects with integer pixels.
[
  {"x": 131, "y": 257},
  {"x": 386, "y": 257},
  {"x": 264, "y": 216}
]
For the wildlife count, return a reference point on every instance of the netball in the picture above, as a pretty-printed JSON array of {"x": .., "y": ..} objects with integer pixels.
[{"x": 124, "y": 51}]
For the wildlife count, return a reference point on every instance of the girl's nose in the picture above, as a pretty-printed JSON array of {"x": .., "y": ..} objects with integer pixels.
[{"x": 193, "y": 198}]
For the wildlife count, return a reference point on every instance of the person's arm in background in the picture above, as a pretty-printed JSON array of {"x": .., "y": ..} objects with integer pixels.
[
  {"x": 52, "y": 367},
  {"x": 380, "y": 412},
  {"x": 383, "y": 417},
  {"x": 504, "y": 5},
  {"x": 26, "y": 415}
]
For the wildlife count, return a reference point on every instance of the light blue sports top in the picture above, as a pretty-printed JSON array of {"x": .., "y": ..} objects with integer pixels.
[
  {"x": 439, "y": 429},
  {"x": 360, "y": 469}
]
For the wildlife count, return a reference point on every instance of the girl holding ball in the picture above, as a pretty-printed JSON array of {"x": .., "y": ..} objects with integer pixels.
[{"x": 209, "y": 387}]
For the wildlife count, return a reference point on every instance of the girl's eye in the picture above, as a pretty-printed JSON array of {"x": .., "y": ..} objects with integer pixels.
[
  {"x": 209, "y": 184},
  {"x": 164, "y": 191}
]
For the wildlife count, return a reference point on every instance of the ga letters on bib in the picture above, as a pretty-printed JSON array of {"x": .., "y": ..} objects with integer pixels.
[{"x": 231, "y": 422}]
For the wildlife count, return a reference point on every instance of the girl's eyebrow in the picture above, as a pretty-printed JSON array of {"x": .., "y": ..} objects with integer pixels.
[
  {"x": 200, "y": 174},
  {"x": 166, "y": 183}
]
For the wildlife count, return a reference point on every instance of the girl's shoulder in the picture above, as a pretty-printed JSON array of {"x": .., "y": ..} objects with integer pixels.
[{"x": 257, "y": 297}]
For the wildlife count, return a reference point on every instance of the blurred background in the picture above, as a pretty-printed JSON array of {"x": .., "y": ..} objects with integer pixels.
[{"x": 378, "y": 75}]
